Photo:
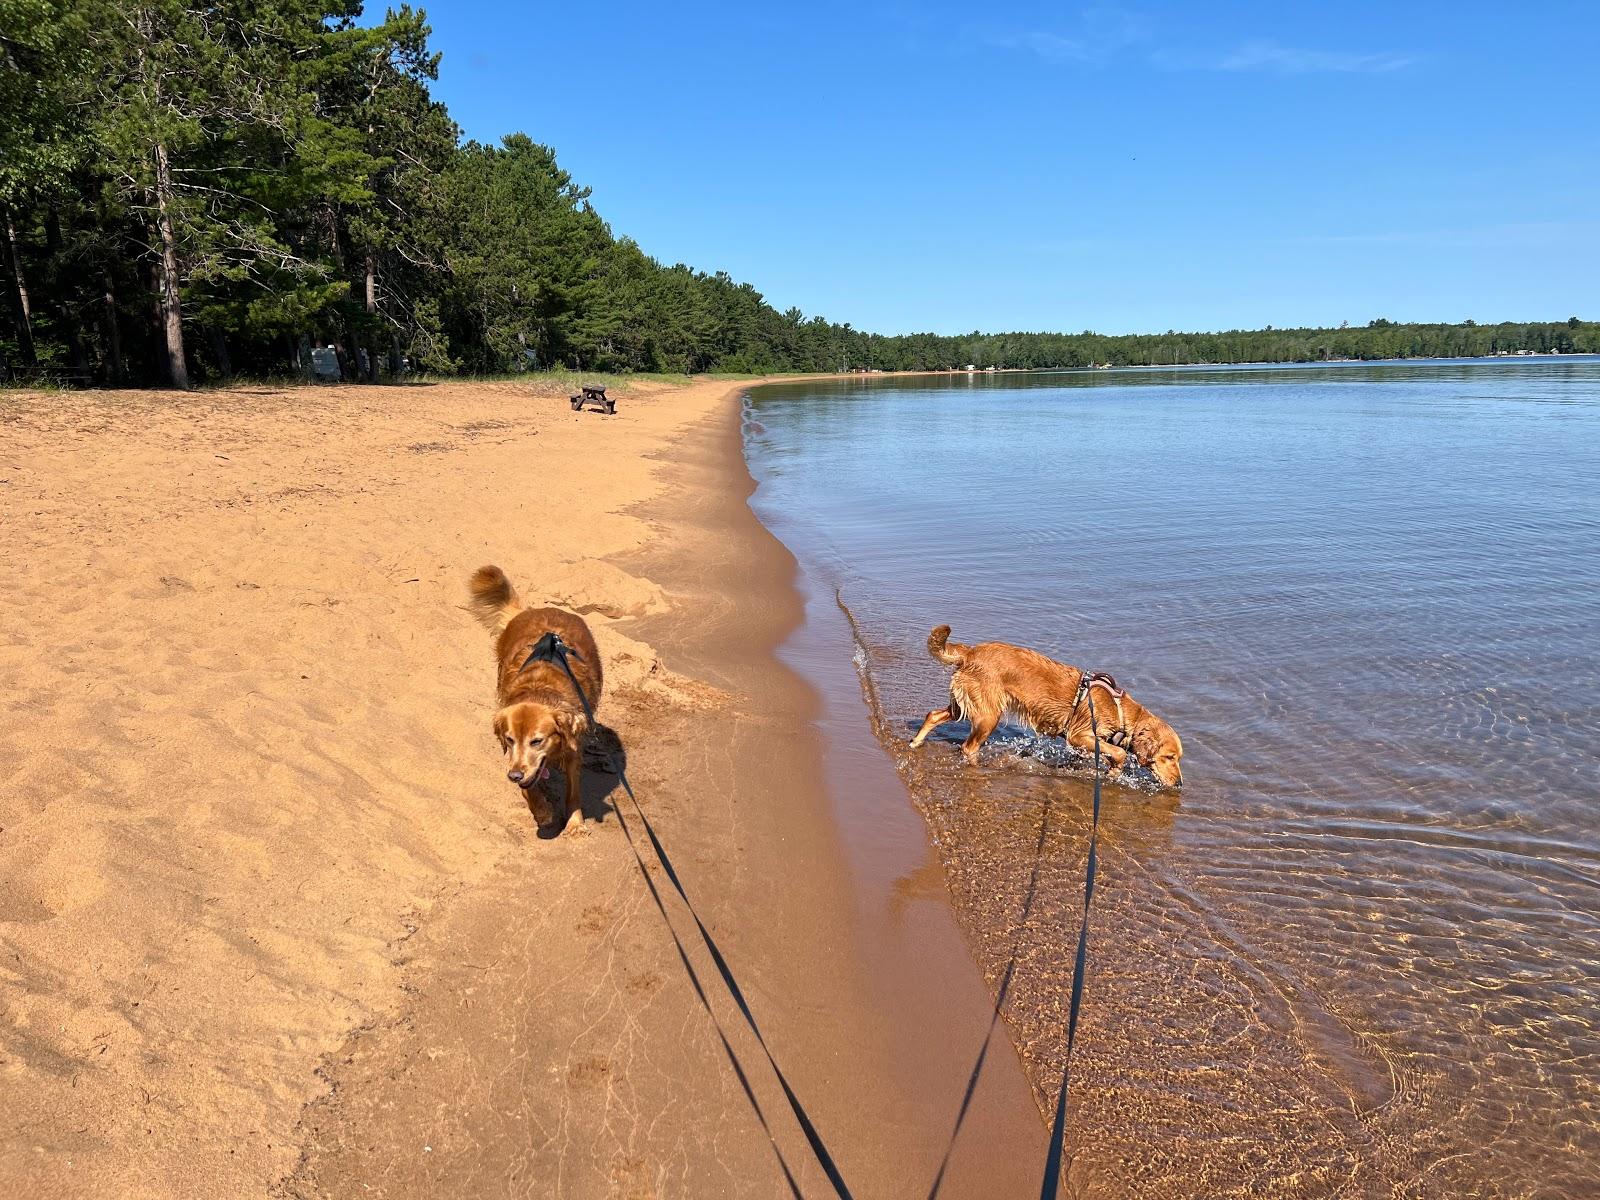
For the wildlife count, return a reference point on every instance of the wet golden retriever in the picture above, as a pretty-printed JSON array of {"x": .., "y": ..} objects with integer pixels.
[
  {"x": 540, "y": 720},
  {"x": 993, "y": 679}
]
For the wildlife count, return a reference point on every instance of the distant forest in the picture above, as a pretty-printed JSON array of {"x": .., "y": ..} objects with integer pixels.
[{"x": 190, "y": 191}]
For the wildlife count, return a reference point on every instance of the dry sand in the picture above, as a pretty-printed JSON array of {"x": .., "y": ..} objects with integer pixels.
[{"x": 271, "y": 920}]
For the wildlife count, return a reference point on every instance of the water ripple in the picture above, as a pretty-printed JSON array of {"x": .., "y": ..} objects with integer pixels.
[{"x": 1360, "y": 955}]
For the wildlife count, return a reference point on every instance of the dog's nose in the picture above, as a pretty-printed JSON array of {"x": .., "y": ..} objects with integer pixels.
[{"x": 514, "y": 776}]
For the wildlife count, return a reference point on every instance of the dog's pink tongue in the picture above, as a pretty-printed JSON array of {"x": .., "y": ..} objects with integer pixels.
[{"x": 543, "y": 771}]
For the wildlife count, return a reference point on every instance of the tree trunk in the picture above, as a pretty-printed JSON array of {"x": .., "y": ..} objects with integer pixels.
[
  {"x": 20, "y": 306},
  {"x": 219, "y": 352},
  {"x": 108, "y": 301},
  {"x": 372, "y": 318},
  {"x": 347, "y": 344},
  {"x": 66, "y": 293},
  {"x": 171, "y": 311},
  {"x": 351, "y": 345},
  {"x": 152, "y": 304}
]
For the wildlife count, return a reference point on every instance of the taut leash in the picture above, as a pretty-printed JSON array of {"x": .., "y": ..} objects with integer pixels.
[
  {"x": 1058, "y": 1131},
  {"x": 550, "y": 648}
]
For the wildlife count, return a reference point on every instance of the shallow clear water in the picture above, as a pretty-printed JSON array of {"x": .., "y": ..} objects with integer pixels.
[{"x": 1360, "y": 953}]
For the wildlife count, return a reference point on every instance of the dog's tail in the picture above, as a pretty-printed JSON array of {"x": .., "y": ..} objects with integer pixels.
[
  {"x": 942, "y": 648},
  {"x": 494, "y": 601}
]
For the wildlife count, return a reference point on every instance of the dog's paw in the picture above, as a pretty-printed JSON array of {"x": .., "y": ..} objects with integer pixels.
[{"x": 544, "y": 813}]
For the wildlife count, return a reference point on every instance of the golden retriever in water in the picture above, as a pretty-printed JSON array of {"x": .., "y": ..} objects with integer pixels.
[
  {"x": 540, "y": 720},
  {"x": 993, "y": 679}
]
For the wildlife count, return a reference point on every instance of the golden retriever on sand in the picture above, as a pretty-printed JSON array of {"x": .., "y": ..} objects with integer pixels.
[
  {"x": 540, "y": 720},
  {"x": 993, "y": 679}
]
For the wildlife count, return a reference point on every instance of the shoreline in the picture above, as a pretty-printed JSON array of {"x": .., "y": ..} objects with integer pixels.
[
  {"x": 750, "y": 832},
  {"x": 900, "y": 1010},
  {"x": 278, "y": 926}
]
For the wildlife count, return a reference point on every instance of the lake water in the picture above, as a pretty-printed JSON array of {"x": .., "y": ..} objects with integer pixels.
[{"x": 1359, "y": 953}]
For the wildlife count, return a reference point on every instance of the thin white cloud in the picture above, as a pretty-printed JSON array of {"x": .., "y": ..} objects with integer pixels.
[
  {"x": 1097, "y": 32},
  {"x": 1046, "y": 45},
  {"x": 1102, "y": 31},
  {"x": 1291, "y": 60}
]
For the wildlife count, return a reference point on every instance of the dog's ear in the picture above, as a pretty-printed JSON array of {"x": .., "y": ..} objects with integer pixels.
[
  {"x": 1145, "y": 744},
  {"x": 500, "y": 725},
  {"x": 572, "y": 726}
]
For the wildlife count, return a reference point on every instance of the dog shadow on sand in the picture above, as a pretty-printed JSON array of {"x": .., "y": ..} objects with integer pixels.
[{"x": 604, "y": 761}]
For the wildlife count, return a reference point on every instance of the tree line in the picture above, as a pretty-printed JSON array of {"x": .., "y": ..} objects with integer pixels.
[{"x": 191, "y": 190}]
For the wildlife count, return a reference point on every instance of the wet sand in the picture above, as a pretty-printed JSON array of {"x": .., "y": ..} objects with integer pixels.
[{"x": 272, "y": 922}]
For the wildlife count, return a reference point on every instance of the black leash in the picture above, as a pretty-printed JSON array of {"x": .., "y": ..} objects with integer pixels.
[
  {"x": 1001, "y": 993},
  {"x": 1058, "y": 1132},
  {"x": 550, "y": 648}
]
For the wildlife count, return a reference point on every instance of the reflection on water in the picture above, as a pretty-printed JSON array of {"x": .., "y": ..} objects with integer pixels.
[{"x": 1360, "y": 955}]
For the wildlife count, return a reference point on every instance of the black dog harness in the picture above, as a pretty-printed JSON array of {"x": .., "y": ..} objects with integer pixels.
[{"x": 1121, "y": 736}]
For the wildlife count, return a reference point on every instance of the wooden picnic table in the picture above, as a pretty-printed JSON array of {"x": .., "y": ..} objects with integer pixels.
[{"x": 592, "y": 394}]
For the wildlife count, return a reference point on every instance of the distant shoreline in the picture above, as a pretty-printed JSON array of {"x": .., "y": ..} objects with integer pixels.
[{"x": 1191, "y": 366}]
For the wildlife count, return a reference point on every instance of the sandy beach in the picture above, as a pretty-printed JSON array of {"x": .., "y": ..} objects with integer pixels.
[{"x": 273, "y": 923}]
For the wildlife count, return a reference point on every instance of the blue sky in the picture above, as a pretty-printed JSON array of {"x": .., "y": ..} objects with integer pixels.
[{"x": 1117, "y": 167}]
